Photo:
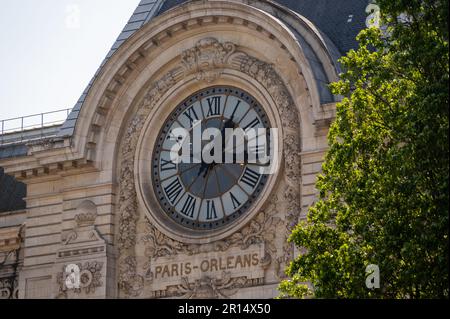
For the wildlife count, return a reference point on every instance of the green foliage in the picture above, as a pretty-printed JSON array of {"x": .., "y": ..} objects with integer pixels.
[{"x": 384, "y": 186}]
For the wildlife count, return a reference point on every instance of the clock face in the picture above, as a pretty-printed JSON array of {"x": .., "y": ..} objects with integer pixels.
[{"x": 202, "y": 194}]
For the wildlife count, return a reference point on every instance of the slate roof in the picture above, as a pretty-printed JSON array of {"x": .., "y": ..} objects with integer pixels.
[
  {"x": 12, "y": 193},
  {"x": 340, "y": 20}
]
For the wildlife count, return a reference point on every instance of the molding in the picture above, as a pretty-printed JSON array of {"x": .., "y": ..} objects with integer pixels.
[
  {"x": 208, "y": 288},
  {"x": 10, "y": 238}
]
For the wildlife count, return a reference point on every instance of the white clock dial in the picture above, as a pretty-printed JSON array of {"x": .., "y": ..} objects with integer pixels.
[{"x": 209, "y": 195}]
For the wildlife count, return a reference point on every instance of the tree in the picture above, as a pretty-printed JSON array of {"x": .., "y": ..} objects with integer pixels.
[{"x": 383, "y": 190}]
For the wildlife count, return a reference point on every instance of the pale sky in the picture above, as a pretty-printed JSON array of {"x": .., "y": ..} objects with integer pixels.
[{"x": 49, "y": 52}]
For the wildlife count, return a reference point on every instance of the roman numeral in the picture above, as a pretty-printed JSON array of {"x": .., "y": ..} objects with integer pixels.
[
  {"x": 234, "y": 201},
  {"x": 189, "y": 206},
  {"x": 173, "y": 190},
  {"x": 250, "y": 177},
  {"x": 173, "y": 137},
  {"x": 252, "y": 124},
  {"x": 167, "y": 165},
  {"x": 235, "y": 108},
  {"x": 210, "y": 210},
  {"x": 214, "y": 106},
  {"x": 191, "y": 115},
  {"x": 257, "y": 150}
]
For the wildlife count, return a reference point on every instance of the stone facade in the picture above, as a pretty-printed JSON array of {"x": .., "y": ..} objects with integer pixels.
[{"x": 89, "y": 201}]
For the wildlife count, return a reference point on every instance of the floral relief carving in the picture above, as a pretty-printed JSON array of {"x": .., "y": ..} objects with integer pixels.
[
  {"x": 129, "y": 280},
  {"x": 159, "y": 245},
  {"x": 292, "y": 158},
  {"x": 9, "y": 288},
  {"x": 266, "y": 75},
  {"x": 128, "y": 205},
  {"x": 262, "y": 229},
  {"x": 206, "y": 60},
  {"x": 156, "y": 91},
  {"x": 211, "y": 288},
  {"x": 291, "y": 196}
]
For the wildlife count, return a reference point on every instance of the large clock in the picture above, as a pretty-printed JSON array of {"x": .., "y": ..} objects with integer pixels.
[{"x": 202, "y": 195}]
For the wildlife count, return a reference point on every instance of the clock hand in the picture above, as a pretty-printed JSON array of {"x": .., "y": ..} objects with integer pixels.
[
  {"x": 228, "y": 124},
  {"x": 203, "y": 167}
]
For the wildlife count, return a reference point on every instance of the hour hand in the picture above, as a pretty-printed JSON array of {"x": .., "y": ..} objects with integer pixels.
[{"x": 203, "y": 169}]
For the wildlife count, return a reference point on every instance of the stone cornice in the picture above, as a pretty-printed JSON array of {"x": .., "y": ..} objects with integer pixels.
[
  {"x": 10, "y": 239},
  {"x": 32, "y": 166}
]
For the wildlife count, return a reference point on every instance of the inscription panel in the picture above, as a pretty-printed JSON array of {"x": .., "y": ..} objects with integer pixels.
[{"x": 169, "y": 271}]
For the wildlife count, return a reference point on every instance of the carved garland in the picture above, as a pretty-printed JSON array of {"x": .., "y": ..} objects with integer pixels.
[{"x": 207, "y": 61}]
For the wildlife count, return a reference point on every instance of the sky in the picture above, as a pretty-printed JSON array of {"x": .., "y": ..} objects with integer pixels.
[{"x": 50, "y": 50}]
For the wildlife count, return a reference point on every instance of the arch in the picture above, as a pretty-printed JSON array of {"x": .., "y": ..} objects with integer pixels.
[{"x": 97, "y": 123}]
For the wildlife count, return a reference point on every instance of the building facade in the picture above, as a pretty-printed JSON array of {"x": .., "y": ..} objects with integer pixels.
[{"x": 95, "y": 201}]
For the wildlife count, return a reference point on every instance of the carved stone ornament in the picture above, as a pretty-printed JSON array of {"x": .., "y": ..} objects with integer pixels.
[
  {"x": 85, "y": 219},
  {"x": 90, "y": 279},
  {"x": 211, "y": 288},
  {"x": 261, "y": 230},
  {"x": 9, "y": 288},
  {"x": 85, "y": 230},
  {"x": 11, "y": 240},
  {"x": 207, "y": 60}
]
